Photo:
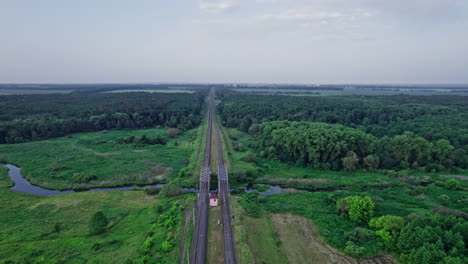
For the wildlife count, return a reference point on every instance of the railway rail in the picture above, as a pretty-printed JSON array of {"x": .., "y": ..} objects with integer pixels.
[{"x": 198, "y": 255}]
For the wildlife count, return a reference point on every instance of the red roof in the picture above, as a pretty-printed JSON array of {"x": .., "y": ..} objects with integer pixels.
[{"x": 213, "y": 196}]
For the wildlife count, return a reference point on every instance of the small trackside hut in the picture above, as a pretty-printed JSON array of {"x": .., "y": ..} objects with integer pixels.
[{"x": 213, "y": 199}]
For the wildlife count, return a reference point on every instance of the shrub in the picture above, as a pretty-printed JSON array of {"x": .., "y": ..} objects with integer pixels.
[
  {"x": 361, "y": 235},
  {"x": 98, "y": 223},
  {"x": 453, "y": 184},
  {"x": 354, "y": 250},
  {"x": 350, "y": 162},
  {"x": 82, "y": 178},
  {"x": 172, "y": 132},
  {"x": 357, "y": 208},
  {"x": 250, "y": 157},
  {"x": 152, "y": 190},
  {"x": 388, "y": 228},
  {"x": 171, "y": 190}
]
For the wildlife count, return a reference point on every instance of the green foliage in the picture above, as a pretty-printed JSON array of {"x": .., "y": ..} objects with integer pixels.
[
  {"x": 388, "y": 228},
  {"x": 357, "y": 208},
  {"x": 56, "y": 115},
  {"x": 327, "y": 146},
  {"x": 312, "y": 143},
  {"x": 453, "y": 184},
  {"x": 98, "y": 223},
  {"x": 160, "y": 240},
  {"x": 409, "y": 131},
  {"x": 350, "y": 162},
  {"x": 98, "y": 160},
  {"x": 152, "y": 190},
  {"x": 82, "y": 178},
  {"x": 249, "y": 157},
  {"x": 171, "y": 190},
  {"x": 371, "y": 162},
  {"x": 431, "y": 117},
  {"x": 354, "y": 250},
  {"x": 173, "y": 132},
  {"x": 250, "y": 203},
  {"x": 361, "y": 235},
  {"x": 433, "y": 239}
]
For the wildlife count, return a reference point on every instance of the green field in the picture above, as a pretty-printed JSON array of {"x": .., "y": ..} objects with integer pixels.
[
  {"x": 53, "y": 163},
  {"x": 406, "y": 193},
  {"x": 54, "y": 229}
]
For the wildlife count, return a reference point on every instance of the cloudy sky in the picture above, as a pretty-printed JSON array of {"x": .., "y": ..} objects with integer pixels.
[{"x": 259, "y": 41}]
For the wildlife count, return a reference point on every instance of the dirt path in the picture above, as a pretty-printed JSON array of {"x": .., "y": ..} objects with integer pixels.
[{"x": 301, "y": 244}]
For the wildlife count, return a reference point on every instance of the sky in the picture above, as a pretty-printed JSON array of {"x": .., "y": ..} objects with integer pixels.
[{"x": 243, "y": 41}]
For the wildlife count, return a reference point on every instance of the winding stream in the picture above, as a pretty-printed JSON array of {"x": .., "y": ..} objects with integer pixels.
[{"x": 24, "y": 186}]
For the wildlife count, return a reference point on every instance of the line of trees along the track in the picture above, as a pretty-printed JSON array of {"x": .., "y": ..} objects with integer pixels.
[
  {"x": 393, "y": 132},
  {"x": 33, "y": 117}
]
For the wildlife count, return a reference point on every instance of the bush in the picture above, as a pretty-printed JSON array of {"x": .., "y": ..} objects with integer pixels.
[
  {"x": 152, "y": 190},
  {"x": 172, "y": 132},
  {"x": 354, "y": 250},
  {"x": 361, "y": 235},
  {"x": 98, "y": 223},
  {"x": 250, "y": 157},
  {"x": 184, "y": 172},
  {"x": 357, "y": 208},
  {"x": 453, "y": 184},
  {"x": 388, "y": 228},
  {"x": 81, "y": 178},
  {"x": 171, "y": 190}
]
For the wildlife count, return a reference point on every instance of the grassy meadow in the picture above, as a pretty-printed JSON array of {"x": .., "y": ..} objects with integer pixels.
[
  {"x": 98, "y": 155},
  {"x": 312, "y": 205},
  {"x": 54, "y": 229}
]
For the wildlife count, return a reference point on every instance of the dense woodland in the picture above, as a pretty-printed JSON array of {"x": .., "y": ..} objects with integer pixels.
[
  {"x": 432, "y": 117},
  {"x": 32, "y": 117},
  {"x": 331, "y": 146},
  {"x": 391, "y": 132}
]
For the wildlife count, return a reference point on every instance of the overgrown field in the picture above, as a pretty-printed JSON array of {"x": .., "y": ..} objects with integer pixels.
[
  {"x": 56, "y": 229},
  {"x": 106, "y": 158},
  {"x": 413, "y": 197}
]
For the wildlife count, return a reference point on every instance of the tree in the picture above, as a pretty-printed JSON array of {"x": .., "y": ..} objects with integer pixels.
[
  {"x": 172, "y": 132},
  {"x": 388, "y": 227},
  {"x": 351, "y": 161},
  {"x": 98, "y": 223},
  {"x": 357, "y": 208},
  {"x": 441, "y": 149},
  {"x": 372, "y": 161}
]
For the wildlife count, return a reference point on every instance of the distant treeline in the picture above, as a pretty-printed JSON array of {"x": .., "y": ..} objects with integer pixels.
[
  {"x": 290, "y": 87},
  {"x": 99, "y": 88},
  {"x": 32, "y": 117},
  {"x": 431, "y": 117}
]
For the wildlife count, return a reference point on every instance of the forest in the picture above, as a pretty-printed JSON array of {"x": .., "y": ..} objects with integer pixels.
[
  {"x": 431, "y": 117},
  {"x": 393, "y": 132},
  {"x": 32, "y": 117},
  {"x": 331, "y": 146}
]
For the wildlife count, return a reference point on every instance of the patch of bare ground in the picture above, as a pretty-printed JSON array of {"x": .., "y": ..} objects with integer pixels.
[
  {"x": 140, "y": 150},
  {"x": 283, "y": 181},
  {"x": 301, "y": 244}
]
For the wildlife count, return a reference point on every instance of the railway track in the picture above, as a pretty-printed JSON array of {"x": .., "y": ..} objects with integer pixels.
[
  {"x": 198, "y": 255},
  {"x": 223, "y": 187}
]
